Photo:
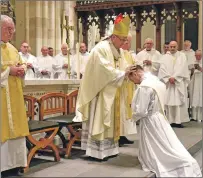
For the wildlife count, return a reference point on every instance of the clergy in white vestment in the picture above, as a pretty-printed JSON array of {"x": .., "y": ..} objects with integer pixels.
[
  {"x": 60, "y": 66},
  {"x": 165, "y": 48},
  {"x": 83, "y": 59},
  {"x": 160, "y": 150},
  {"x": 195, "y": 88},
  {"x": 149, "y": 57},
  {"x": 190, "y": 55},
  {"x": 14, "y": 125},
  {"x": 45, "y": 62},
  {"x": 139, "y": 50},
  {"x": 29, "y": 60},
  {"x": 100, "y": 99},
  {"x": 51, "y": 51},
  {"x": 174, "y": 73}
]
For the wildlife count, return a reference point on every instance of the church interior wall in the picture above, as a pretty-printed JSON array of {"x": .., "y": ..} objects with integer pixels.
[
  {"x": 39, "y": 23},
  {"x": 148, "y": 31},
  {"x": 200, "y": 26}
]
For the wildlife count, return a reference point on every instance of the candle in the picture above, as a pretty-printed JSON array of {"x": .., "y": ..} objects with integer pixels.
[
  {"x": 78, "y": 60},
  {"x": 67, "y": 8}
]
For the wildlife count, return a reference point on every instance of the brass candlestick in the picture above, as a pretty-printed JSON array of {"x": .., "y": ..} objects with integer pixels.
[{"x": 67, "y": 27}]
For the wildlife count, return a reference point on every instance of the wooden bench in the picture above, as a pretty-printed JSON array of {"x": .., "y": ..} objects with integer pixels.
[
  {"x": 59, "y": 103},
  {"x": 37, "y": 127}
]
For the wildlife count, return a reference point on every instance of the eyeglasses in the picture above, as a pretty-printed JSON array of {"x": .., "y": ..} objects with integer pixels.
[
  {"x": 122, "y": 39},
  {"x": 12, "y": 30}
]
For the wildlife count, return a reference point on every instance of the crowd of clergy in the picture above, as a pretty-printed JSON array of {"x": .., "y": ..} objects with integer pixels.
[
  {"x": 185, "y": 64},
  {"x": 48, "y": 66}
]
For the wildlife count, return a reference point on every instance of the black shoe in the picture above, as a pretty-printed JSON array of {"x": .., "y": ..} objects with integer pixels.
[
  {"x": 98, "y": 160},
  {"x": 124, "y": 140},
  {"x": 173, "y": 125},
  {"x": 193, "y": 120},
  {"x": 179, "y": 126},
  {"x": 120, "y": 144}
]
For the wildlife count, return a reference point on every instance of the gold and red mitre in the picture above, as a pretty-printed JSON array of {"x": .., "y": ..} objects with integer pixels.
[{"x": 121, "y": 26}]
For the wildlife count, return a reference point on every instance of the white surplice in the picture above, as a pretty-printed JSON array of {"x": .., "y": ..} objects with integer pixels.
[
  {"x": 83, "y": 58},
  {"x": 44, "y": 63},
  {"x": 29, "y": 58},
  {"x": 153, "y": 56},
  {"x": 195, "y": 88},
  {"x": 190, "y": 55},
  {"x": 160, "y": 151},
  {"x": 58, "y": 71},
  {"x": 13, "y": 152},
  {"x": 175, "y": 65}
]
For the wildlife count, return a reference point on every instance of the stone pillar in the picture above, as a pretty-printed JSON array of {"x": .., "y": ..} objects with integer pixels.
[
  {"x": 200, "y": 26},
  {"x": 19, "y": 35},
  {"x": 57, "y": 26},
  {"x": 73, "y": 23},
  {"x": 35, "y": 27},
  {"x": 45, "y": 14},
  {"x": 51, "y": 24},
  {"x": 27, "y": 21}
]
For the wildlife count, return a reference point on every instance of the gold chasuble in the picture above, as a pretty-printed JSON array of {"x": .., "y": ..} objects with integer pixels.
[
  {"x": 14, "y": 122},
  {"x": 128, "y": 84},
  {"x": 127, "y": 89}
]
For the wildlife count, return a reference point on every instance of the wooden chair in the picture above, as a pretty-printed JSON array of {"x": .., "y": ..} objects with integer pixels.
[
  {"x": 74, "y": 128},
  {"x": 37, "y": 127},
  {"x": 56, "y": 103}
]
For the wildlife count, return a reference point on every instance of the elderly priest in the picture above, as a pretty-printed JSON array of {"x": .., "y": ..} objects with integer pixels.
[{"x": 14, "y": 125}]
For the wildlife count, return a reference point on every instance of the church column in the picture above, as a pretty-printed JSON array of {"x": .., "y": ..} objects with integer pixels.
[
  {"x": 57, "y": 26},
  {"x": 51, "y": 24},
  {"x": 27, "y": 20},
  {"x": 179, "y": 29},
  {"x": 138, "y": 29},
  {"x": 45, "y": 23},
  {"x": 19, "y": 35},
  {"x": 73, "y": 23},
  {"x": 35, "y": 28},
  {"x": 200, "y": 26}
]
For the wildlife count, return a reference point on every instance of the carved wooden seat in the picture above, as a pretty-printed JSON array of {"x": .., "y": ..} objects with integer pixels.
[
  {"x": 59, "y": 103},
  {"x": 36, "y": 127},
  {"x": 75, "y": 128}
]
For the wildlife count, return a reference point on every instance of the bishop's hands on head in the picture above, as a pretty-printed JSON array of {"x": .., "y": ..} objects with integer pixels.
[{"x": 129, "y": 70}]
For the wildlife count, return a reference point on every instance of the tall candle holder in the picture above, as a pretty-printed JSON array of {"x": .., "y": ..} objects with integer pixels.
[{"x": 68, "y": 27}]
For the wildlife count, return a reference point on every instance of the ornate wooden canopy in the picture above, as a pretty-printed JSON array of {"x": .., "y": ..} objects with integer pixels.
[
  {"x": 7, "y": 9},
  {"x": 102, "y": 12}
]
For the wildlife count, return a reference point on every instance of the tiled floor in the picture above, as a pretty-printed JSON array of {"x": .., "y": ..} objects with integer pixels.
[{"x": 124, "y": 165}]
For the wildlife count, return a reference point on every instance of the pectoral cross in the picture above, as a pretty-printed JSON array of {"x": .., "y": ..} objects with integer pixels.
[{"x": 117, "y": 66}]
